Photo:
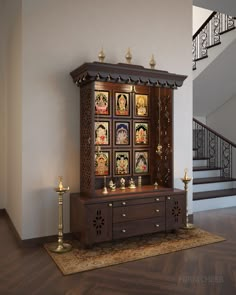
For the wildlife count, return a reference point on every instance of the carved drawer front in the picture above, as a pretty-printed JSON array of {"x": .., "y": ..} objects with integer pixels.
[
  {"x": 138, "y": 227},
  {"x": 134, "y": 212},
  {"x": 125, "y": 202}
]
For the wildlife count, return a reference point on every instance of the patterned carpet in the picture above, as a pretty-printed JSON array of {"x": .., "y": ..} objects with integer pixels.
[{"x": 131, "y": 249}]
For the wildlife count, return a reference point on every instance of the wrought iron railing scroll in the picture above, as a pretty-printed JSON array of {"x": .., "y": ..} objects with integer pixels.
[
  {"x": 208, "y": 35},
  {"x": 213, "y": 147}
]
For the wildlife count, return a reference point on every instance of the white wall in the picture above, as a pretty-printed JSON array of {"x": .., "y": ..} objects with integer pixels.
[
  {"x": 199, "y": 17},
  {"x": 208, "y": 93},
  {"x": 223, "y": 120},
  {"x": 201, "y": 119},
  {"x": 11, "y": 99},
  {"x": 60, "y": 35}
]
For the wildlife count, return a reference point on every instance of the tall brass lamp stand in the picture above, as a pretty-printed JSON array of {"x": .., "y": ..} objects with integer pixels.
[
  {"x": 61, "y": 247},
  {"x": 186, "y": 180}
]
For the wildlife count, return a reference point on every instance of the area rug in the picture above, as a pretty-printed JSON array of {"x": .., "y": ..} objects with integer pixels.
[{"x": 107, "y": 254}]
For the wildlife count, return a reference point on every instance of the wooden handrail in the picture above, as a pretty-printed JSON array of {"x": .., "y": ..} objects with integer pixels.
[
  {"x": 204, "y": 24},
  {"x": 216, "y": 133}
]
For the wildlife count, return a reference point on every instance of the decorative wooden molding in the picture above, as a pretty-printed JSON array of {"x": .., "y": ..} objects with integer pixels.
[{"x": 125, "y": 73}]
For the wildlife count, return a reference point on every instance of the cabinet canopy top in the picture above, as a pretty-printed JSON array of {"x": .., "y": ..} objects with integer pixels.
[{"x": 125, "y": 73}]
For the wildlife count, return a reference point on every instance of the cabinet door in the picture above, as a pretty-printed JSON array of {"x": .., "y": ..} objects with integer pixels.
[
  {"x": 99, "y": 223},
  {"x": 175, "y": 211}
]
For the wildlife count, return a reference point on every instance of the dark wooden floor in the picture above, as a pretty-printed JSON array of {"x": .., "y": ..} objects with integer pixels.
[{"x": 207, "y": 270}]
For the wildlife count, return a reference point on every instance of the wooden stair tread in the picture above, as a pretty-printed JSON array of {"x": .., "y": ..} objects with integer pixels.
[
  {"x": 214, "y": 194},
  {"x": 204, "y": 168},
  {"x": 212, "y": 180}
]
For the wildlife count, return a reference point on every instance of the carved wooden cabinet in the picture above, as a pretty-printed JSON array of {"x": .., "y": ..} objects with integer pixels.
[
  {"x": 126, "y": 214},
  {"x": 125, "y": 135}
]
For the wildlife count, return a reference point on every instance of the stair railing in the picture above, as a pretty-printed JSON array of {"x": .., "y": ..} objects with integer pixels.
[
  {"x": 208, "y": 35},
  {"x": 213, "y": 147}
]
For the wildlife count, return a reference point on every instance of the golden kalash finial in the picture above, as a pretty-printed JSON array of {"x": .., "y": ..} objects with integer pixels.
[
  {"x": 152, "y": 62},
  {"x": 128, "y": 56},
  {"x": 101, "y": 55}
]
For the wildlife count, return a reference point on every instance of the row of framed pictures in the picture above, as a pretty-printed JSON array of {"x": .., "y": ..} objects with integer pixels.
[
  {"x": 122, "y": 132},
  {"x": 122, "y": 162},
  {"x": 122, "y": 104}
]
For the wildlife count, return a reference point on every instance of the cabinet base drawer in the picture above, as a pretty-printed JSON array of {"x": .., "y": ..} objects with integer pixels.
[
  {"x": 138, "y": 227},
  {"x": 135, "y": 212}
]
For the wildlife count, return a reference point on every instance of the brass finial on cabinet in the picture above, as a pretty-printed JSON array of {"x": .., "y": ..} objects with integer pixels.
[
  {"x": 128, "y": 56},
  {"x": 152, "y": 62},
  {"x": 101, "y": 56}
]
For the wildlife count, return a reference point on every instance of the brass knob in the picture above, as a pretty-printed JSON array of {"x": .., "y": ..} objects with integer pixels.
[
  {"x": 124, "y": 215},
  {"x": 157, "y": 199},
  {"x": 156, "y": 225},
  {"x": 123, "y": 230},
  {"x": 123, "y": 203},
  {"x": 168, "y": 198},
  {"x": 157, "y": 210},
  {"x": 110, "y": 204}
]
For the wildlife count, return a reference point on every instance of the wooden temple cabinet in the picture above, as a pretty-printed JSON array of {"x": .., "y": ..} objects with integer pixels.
[{"x": 126, "y": 114}]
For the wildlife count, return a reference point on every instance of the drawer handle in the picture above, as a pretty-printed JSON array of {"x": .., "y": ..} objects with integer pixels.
[
  {"x": 124, "y": 215},
  {"x": 157, "y": 210},
  {"x": 123, "y": 203},
  {"x": 168, "y": 198},
  {"x": 123, "y": 230},
  {"x": 110, "y": 205},
  {"x": 157, "y": 199},
  {"x": 156, "y": 225}
]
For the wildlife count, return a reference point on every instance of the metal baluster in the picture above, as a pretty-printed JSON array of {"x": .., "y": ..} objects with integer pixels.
[
  {"x": 221, "y": 162},
  {"x": 231, "y": 159}
]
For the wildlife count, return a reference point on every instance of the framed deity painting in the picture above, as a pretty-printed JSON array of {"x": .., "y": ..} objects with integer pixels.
[
  {"x": 121, "y": 133},
  {"x": 141, "y": 162},
  {"x": 122, "y": 104},
  {"x": 141, "y": 136},
  {"x": 141, "y": 105},
  {"x": 102, "y": 133},
  {"x": 102, "y": 103},
  {"x": 122, "y": 162},
  {"x": 102, "y": 163}
]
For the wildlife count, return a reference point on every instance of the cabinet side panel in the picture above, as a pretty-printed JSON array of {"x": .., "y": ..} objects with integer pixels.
[{"x": 86, "y": 138}]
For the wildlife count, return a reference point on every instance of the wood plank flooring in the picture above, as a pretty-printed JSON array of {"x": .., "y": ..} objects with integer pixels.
[{"x": 207, "y": 270}]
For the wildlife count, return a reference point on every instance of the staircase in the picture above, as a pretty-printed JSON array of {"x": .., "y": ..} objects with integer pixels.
[
  {"x": 209, "y": 35},
  {"x": 213, "y": 183}
]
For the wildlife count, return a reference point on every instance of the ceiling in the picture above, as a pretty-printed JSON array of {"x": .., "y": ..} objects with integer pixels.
[{"x": 226, "y": 6}]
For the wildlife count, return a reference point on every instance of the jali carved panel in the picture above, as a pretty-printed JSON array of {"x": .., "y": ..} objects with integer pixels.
[
  {"x": 99, "y": 222},
  {"x": 86, "y": 138}
]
